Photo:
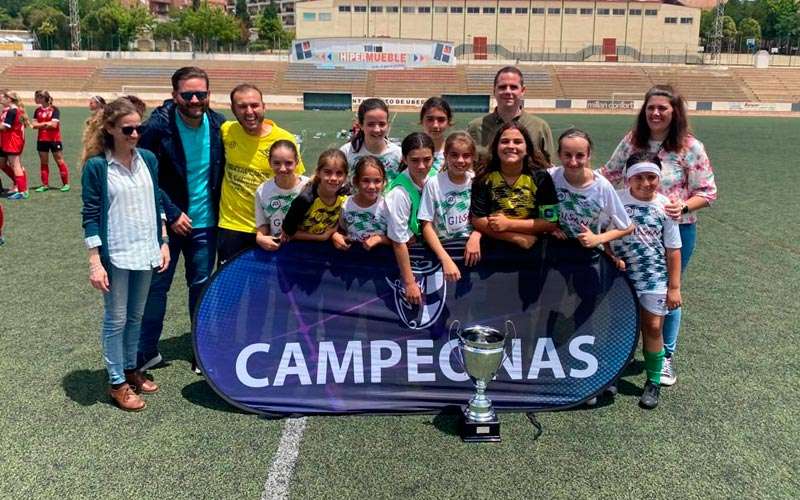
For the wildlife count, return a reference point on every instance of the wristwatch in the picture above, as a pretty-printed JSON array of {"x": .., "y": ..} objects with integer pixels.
[{"x": 685, "y": 209}]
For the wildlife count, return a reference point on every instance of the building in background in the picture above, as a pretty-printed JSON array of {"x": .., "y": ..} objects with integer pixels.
[
  {"x": 607, "y": 28},
  {"x": 285, "y": 10},
  {"x": 161, "y": 7}
]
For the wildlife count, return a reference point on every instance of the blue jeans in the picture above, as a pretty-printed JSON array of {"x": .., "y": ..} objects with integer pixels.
[
  {"x": 672, "y": 321},
  {"x": 199, "y": 250},
  {"x": 122, "y": 320}
]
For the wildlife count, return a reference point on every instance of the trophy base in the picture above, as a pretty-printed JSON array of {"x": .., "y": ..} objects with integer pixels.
[{"x": 480, "y": 432}]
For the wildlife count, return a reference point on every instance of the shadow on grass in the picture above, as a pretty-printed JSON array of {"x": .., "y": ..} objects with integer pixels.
[
  {"x": 448, "y": 420},
  {"x": 201, "y": 394},
  {"x": 86, "y": 387}
]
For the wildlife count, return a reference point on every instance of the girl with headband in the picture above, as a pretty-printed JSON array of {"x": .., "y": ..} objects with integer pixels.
[{"x": 652, "y": 257}]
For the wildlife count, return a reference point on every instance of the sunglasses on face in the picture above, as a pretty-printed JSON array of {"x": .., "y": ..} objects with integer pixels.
[
  {"x": 130, "y": 129},
  {"x": 187, "y": 96}
]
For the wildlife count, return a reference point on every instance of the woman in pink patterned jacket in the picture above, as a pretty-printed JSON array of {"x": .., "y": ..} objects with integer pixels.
[{"x": 687, "y": 180}]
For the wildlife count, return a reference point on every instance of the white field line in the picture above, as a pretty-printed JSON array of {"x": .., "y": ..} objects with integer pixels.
[{"x": 280, "y": 473}]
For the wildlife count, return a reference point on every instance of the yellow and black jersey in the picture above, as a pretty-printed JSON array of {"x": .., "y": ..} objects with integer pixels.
[
  {"x": 531, "y": 197},
  {"x": 310, "y": 214}
]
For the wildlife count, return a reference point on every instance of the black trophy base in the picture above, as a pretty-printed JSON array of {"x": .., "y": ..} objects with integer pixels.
[{"x": 480, "y": 432}]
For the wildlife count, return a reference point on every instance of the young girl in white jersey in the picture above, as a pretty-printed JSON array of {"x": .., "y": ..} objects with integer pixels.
[
  {"x": 652, "y": 256},
  {"x": 364, "y": 214},
  {"x": 436, "y": 117},
  {"x": 402, "y": 202},
  {"x": 372, "y": 139},
  {"x": 444, "y": 208},
  {"x": 589, "y": 209},
  {"x": 275, "y": 196}
]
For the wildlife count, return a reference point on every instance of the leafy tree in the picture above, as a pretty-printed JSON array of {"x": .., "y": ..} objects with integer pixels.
[
  {"x": 783, "y": 19},
  {"x": 209, "y": 23},
  {"x": 707, "y": 24},
  {"x": 728, "y": 27},
  {"x": 114, "y": 26},
  {"x": 242, "y": 13},
  {"x": 270, "y": 29},
  {"x": 749, "y": 28},
  {"x": 9, "y": 22},
  {"x": 50, "y": 24}
]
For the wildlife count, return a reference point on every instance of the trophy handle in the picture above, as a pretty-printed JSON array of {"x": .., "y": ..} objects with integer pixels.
[
  {"x": 455, "y": 327},
  {"x": 510, "y": 328}
]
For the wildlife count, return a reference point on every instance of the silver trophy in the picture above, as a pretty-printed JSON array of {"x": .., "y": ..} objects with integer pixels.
[{"x": 482, "y": 352}]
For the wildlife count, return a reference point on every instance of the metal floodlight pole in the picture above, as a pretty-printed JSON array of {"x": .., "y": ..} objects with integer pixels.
[
  {"x": 716, "y": 37},
  {"x": 74, "y": 25}
]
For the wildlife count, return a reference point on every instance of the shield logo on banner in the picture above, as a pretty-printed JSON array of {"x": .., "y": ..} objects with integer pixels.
[{"x": 430, "y": 279}]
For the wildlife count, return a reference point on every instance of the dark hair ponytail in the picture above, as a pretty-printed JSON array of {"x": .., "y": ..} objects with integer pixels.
[
  {"x": 415, "y": 140},
  {"x": 366, "y": 106},
  {"x": 285, "y": 143},
  {"x": 436, "y": 103}
]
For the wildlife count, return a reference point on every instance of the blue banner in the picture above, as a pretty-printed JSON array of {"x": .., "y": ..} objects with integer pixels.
[{"x": 312, "y": 330}]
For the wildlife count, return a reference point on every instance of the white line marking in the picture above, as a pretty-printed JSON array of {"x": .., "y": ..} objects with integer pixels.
[{"x": 280, "y": 473}]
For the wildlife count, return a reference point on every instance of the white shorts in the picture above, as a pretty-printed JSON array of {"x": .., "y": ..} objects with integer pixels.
[{"x": 654, "y": 303}]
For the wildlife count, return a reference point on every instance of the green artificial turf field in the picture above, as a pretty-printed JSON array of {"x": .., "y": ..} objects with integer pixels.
[{"x": 729, "y": 428}]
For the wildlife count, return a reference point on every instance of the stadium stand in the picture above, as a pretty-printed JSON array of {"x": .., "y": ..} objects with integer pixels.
[
  {"x": 44, "y": 74},
  {"x": 539, "y": 82},
  {"x": 134, "y": 74},
  {"x": 601, "y": 82},
  {"x": 775, "y": 84},
  {"x": 422, "y": 82},
  {"x": 713, "y": 84},
  {"x": 552, "y": 81},
  {"x": 305, "y": 77}
]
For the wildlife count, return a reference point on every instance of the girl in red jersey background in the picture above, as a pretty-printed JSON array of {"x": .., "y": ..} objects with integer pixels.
[
  {"x": 47, "y": 121},
  {"x": 12, "y": 141}
]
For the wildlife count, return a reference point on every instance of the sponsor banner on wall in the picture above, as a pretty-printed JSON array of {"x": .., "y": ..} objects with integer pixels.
[
  {"x": 610, "y": 104},
  {"x": 373, "y": 53},
  {"x": 312, "y": 330}
]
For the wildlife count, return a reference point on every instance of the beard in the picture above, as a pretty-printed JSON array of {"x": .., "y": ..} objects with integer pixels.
[{"x": 193, "y": 111}]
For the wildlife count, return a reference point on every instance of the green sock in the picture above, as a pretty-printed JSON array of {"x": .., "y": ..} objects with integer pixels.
[{"x": 653, "y": 363}]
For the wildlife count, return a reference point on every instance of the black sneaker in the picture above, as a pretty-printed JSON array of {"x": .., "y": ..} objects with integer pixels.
[
  {"x": 649, "y": 399},
  {"x": 611, "y": 390}
]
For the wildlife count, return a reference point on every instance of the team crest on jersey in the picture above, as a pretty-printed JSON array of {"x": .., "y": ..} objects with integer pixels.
[
  {"x": 431, "y": 282},
  {"x": 451, "y": 199},
  {"x": 276, "y": 204}
]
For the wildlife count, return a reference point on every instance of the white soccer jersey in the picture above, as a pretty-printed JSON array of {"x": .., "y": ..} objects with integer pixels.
[
  {"x": 446, "y": 205},
  {"x": 272, "y": 203},
  {"x": 644, "y": 250},
  {"x": 362, "y": 222},
  {"x": 596, "y": 205}
]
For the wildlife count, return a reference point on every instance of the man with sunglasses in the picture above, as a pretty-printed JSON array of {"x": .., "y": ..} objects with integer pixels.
[{"x": 185, "y": 136}]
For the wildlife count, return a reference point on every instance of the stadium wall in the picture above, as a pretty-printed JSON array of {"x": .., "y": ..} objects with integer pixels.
[{"x": 549, "y": 26}]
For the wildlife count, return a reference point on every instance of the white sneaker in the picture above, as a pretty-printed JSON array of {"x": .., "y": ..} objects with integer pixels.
[{"x": 668, "y": 376}]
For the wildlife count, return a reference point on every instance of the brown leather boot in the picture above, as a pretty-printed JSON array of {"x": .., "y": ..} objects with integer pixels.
[
  {"x": 140, "y": 383},
  {"x": 126, "y": 399}
]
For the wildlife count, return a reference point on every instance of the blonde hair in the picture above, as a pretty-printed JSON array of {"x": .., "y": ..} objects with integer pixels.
[
  {"x": 95, "y": 137},
  {"x": 13, "y": 97}
]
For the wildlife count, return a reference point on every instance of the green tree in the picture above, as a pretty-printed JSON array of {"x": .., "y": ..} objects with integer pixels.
[
  {"x": 783, "y": 19},
  {"x": 707, "y": 24},
  {"x": 209, "y": 23},
  {"x": 749, "y": 28},
  {"x": 242, "y": 13},
  {"x": 728, "y": 28},
  {"x": 50, "y": 24},
  {"x": 9, "y": 22},
  {"x": 114, "y": 26},
  {"x": 270, "y": 29}
]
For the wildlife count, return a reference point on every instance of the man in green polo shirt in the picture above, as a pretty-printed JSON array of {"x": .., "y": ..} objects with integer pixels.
[{"x": 509, "y": 89}]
